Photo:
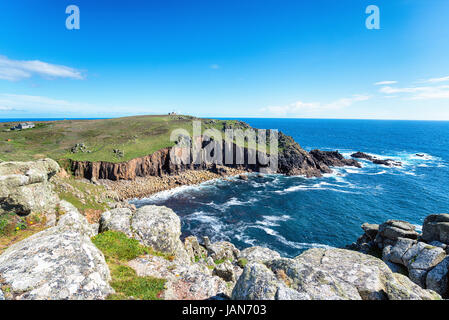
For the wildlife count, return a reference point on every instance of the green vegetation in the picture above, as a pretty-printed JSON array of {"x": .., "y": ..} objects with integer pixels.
[
  {"x": 133, "y": 136},
  {"x": 118, "y": 249},
  {"x": 220, "y": 261},
  {"x": 91, "y": 200},
  {"x": 127, "y": 284},
  {"x": 14, "y": 228},
  {"x": 242, "y": 262}
]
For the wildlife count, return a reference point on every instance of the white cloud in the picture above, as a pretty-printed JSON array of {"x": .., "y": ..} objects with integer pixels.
[
  {"x": 215, "y": 66},
  {"x": 28, "y": 104},
  {"x": 14, "y": 70},
  {"x": 420, "y": 93},
  {"x": 383, "y": 83},
  {"x": 301, "y": 106},
  {"x": 436, "y": 80}
]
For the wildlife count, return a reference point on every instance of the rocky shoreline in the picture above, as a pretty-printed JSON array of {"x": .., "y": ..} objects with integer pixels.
[
  {"x": 67, "y": 261},
  {"x": 142, "y": 187}
]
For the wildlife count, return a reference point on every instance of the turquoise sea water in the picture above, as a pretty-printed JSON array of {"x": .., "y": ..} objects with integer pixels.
[{"x": 291, "y": 214}]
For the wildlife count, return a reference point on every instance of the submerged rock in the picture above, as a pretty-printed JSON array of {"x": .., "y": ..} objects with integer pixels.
[{"x": 58, "y": 263}]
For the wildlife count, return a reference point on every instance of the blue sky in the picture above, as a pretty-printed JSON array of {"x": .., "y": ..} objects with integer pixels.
[{"x": 310, "y": 59}]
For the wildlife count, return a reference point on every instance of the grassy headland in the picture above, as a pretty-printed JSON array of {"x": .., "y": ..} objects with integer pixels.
[{"x": 134, "y": 136}]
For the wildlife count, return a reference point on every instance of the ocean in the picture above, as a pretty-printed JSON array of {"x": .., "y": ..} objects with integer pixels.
[{"x": 292, "y": 214}]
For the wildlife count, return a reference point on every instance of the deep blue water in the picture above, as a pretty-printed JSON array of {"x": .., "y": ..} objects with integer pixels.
[{"x": 291, "y": 214}]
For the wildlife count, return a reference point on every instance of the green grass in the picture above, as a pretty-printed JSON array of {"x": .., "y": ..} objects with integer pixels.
[
  {"x": 117, "y": 246},
  {"x": 118, "y": 249},
  {"x": 135, "y": 136},
  {"x": 127, "y": 284},
  {"x": 242, "y": 262}
]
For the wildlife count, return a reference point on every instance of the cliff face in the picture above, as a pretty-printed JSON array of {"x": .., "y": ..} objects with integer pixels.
[{"x": 292, "y": 160}]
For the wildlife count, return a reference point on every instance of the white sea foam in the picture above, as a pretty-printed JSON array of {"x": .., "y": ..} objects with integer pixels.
[{"x": 292, "y": 244}]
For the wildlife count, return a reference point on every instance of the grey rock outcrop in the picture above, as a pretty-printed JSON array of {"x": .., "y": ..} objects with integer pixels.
[
  {"x": 58, "y": 263},
  {"x": 184, "y": 282},
  {"x": 225, "y": 271},
  {"x": 437, "y": 278},
  {"x": 258, "y": 254},
  {"x": 222, "y": 250},
  {"x": 24, "y": 187},
  {"x": 322, "y": 274},
  {"x": 194, "y": 249},
  {"x": 436, "y": 228},
  {"x": 117, "y": 220},
  {"x": 391, "y": 230},
  {"x": 154, "y": 226}
]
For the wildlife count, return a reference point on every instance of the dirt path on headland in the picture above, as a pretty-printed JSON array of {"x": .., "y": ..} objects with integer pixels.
[{"x": 142, "y": 187}]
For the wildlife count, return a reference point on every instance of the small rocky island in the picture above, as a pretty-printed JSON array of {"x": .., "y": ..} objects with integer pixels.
[{"x": 74, "y": 252}]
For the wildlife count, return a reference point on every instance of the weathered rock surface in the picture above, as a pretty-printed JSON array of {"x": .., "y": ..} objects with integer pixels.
[
  {"x": 258, "y": 254},
  {"x": 436, "y": 228},
  {"x": 326, "y": 274},
  {"x": 391, "y": 230},
  {"x": 225, "y": 271},
  {"x": 24, "y": 187},
  {"x": 221, "y": 250},
  {"x": 2, "y": 297},
  {"x": 154, "y": 226},
  {"x": 117, "y": 220},
  {"x": 437, "y": 278},
  {"x": 184, "y": 282},
  {"x": 160, "y": 228},
  {"x": 58, "y": 263},
  {"x": 194, "y": 249}
]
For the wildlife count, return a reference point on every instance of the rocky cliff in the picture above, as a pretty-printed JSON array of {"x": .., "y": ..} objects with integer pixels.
[{"x": 292, "y": 160}]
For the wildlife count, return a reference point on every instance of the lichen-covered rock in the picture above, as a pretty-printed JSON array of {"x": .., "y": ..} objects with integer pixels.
[
  {"x": 437, "y": 278},
  {"x": 327, "y": 274},
  {"x": 436, "y": 228},
  {"x": 194, "y": 249},
  {"x": 72, "y": 220},
  {"x": 160, "y": 228},
  {"x": 58, "y": 263},
  {"x": 184, "y": 282},
  {"x": 117, "y": 220},
  {"x": 259, "y": 254},
  {"x": 225, "y": 271},
  {"x": 396, "y": 252},
  {"x": 257, "y": 282},
  {"x": 222, "y": 250},
  {"x": 370, "y": 230},
  {"x": 394, "y": 229},
  {"x": 24, "y": 187}
]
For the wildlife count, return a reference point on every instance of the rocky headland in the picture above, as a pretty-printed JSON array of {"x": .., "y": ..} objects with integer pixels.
[{"x": 73, "y": 257}]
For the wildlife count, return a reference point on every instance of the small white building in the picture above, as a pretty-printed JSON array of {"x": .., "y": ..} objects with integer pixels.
[{"x": 24, "y": 125}]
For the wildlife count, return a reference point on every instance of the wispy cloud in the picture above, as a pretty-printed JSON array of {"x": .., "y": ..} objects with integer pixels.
[
  {"x": 383, "y": 83},
  {"x": 435, "y": 80},
  {"x": 14, "y": 70},
  {"x": 214, "y": 66},
  {"x": 28, "y": 104},
  {"x": 419, "y": 93},
  {"x": 300, "y": 106}
]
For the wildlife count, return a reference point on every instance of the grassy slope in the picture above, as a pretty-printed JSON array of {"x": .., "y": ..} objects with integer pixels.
[{"x": 136, "y": 136}]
